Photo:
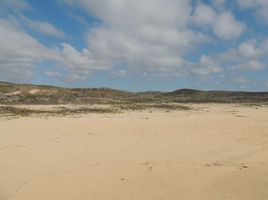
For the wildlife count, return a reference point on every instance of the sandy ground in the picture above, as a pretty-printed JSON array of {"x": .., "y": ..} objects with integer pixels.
[{"x": 217, "y": 153}]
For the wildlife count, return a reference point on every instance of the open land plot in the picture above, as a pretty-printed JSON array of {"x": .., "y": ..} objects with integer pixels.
[{"x": 210, "y": 152}]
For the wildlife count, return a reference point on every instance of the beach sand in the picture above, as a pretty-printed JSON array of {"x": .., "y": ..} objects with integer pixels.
[{"x": 213, "y": 152}]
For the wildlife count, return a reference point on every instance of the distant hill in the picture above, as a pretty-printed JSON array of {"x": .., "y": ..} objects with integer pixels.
[{"x": 11, "y": 93}]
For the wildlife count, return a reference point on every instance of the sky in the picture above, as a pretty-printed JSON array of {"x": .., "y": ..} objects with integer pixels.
[{"x": 136, "y": 45}]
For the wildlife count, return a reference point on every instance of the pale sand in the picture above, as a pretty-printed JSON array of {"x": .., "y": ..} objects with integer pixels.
[{"x": 213, "y": 154}]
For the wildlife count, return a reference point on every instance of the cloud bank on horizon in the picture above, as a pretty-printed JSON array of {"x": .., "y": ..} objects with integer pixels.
[{"x": 136, "y": 44}]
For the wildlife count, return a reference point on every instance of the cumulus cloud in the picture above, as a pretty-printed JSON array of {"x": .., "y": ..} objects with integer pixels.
[
  {"x": 13, "y": 5},
  {"x": 206, "y": 66},
  {"x": 227, "y": 27},
  {"x": 219, "y": 3},
  {"x": 79, "y": 64},
  {"x": 20, "y": 53},
  {"x": 145, "y": 36},
  {"x": 224, "y": 24},
  {"x": 204, "y": 15},
  {"x": 248, "y": 49},
  {"x": 259, "y": 6},
  {"x": 139, "y": 12},
  {"x": 252, "y": 3},
  {"x": 43, "y": 27},
  {"x": 249, "y": 55},
  {"x": 253, "y": 65}
]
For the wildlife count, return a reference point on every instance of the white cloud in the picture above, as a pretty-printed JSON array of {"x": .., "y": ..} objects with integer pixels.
[
  {"x": 204, "y": 15},
  {"x": 206, "y": 66},
  {"x": 224, "y": 24},
  {"x": 248, "y": 49},
  {"x": 264, "y": 47},
  {"x": 146, "y": 36},
  {"x": 252, "y": 65},
  {"x": 219, "y": 3},
  {"x": 227, "y": 27},
  {"x": 14, "y": 5},
  {"x": 79, "y": 64},
  {"x": 43, "y": 27},
  {"x": 152, "y": 36},
  {"x": 252, "y": 3},
  {"x": 260, "y": 7},
  {"x": 19, "y": 52},
  {"x": 136, "y": 13},
  {"x": 250, "y": 55}
]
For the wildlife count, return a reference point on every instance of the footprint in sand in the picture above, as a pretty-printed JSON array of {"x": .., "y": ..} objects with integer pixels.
[
  {"x": 243, "y": 167},
  {"x": 215, "y": 164}
]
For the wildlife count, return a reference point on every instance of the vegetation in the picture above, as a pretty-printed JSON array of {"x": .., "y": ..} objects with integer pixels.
[{"x": 12, "y": 95}]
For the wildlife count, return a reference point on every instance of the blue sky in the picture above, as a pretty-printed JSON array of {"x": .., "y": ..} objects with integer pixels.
[{"x": 136, "y": 45}]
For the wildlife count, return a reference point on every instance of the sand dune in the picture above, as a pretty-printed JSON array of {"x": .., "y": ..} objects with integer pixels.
[{"x": 216, "y": 152}]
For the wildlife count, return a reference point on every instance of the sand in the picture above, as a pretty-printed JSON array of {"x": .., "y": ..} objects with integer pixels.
[{"x": 216, "y": 152}]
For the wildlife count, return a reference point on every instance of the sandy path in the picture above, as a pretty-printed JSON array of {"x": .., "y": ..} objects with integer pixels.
[{"x": 220, "y": 153}]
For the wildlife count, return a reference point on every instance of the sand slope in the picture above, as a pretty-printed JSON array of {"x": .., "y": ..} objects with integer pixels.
[{"x": 217, "y": 153}]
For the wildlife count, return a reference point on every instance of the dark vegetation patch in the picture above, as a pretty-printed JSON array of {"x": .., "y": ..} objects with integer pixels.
[
  {"x": 18, "y": 111},
  {"x": 152, "y": 106}
]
